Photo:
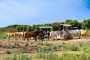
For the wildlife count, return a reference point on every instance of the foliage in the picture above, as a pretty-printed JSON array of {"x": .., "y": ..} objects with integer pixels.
[
  {"x": 47, "y": 52},
  {"x": 86, "y": 23},
  {"x": 75, "y": 23}
]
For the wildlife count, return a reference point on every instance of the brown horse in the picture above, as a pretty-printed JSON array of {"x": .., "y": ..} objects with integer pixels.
[
  {"x": 10, "y": 35},
  {"x": 26, "y": 35},
  {"x": 16, "y": 35},
  {"x": 83, "y": 33},
  {"x": 20, "y": 35},
  {"x": 35, "y": 35}
]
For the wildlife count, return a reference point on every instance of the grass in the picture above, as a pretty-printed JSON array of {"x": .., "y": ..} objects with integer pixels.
[
  {"x": 47, "y": 51},
  {"x": 15, "y": 57},
  {"x": 88, "y": 33},
  {"x": 3, "y": 35},
  {"x": 49, "y": 56}
]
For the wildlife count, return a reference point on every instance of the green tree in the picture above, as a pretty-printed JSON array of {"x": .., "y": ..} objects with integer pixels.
[
  {"x": 56, "y": 24},
  {"x": 86, "y": 24},
  {"x": 74, "y": 23}
]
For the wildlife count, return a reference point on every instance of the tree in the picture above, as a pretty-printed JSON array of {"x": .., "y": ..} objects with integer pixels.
[
  {"x": 74, "y": 23},
  {"x": 86, "y": 24},
  {"x": 47, "y": 24},
  {"x": 56, "y": 24}
]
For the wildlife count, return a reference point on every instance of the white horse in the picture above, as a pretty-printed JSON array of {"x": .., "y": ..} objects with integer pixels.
[
  {"x": 75, "y": 33},
  {"x": 54, "y": 35}
]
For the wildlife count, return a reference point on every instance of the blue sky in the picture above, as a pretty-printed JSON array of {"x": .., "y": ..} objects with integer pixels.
[{"x": 42, "y": 11}]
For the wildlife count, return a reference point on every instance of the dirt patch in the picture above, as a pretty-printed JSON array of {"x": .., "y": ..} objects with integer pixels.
[{"x": 12, "y": 46}]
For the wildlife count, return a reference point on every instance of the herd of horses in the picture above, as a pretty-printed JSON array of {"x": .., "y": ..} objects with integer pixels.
[
  {"x": 41, "y": 35},
  {"x": 35, "y": 35}
]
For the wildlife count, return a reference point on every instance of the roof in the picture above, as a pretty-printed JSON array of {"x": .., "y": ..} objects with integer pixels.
[
  {"x": 67, "y": 25},
  {"x": 46, "y": 27},
  {"x": 75, "y": 27}
]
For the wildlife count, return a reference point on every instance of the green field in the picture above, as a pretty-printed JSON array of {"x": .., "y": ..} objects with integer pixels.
[{"x": 47, "y": 51}]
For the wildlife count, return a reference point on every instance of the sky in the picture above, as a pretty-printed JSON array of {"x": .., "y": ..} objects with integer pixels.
[{"x": 31, "y": 12}]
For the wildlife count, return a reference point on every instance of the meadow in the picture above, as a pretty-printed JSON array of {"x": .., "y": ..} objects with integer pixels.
[
  {"x": 76, "y": 49},
  {"x": 67, "y": 50}
]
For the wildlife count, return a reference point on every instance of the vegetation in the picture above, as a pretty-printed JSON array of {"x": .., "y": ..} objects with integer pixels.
[
  {"x": 48, "y": 52},
  {"x": 45, "y": 51},
  {"x": 75, "y": 23},
  {"x": 85, "y": 24}
]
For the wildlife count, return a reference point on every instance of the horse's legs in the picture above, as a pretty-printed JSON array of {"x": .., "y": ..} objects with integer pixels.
[
  {"x": 85, "y": 36},
  {"x": 8, "y": 37},
  {"x": 35, "y": 38},
  {"x": 79, "y": 37}
]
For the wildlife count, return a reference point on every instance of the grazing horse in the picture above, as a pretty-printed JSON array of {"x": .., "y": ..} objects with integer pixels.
[
  {"x": 27, "y": 35},
  {"x": 15, "y": 35},
  {"x": 75, "y": 33},
  {"x": 35, "y": 34},
  {"x": 54, "y": 35},
  {"x": 57, "y": 35},
  {"x": 20, "y": 35},
  {"x": 11, "y": 35},
  {"x": 83, "y": 33}
]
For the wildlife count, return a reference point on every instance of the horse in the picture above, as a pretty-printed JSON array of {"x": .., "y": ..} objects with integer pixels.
[
  {"x": 20, "y": 35},
  {"x": 83, "y": 33},
  {"x": 35, "y": 35},
  {"x": 10, "y": 35},
  {"x": 75, "y": 33}
]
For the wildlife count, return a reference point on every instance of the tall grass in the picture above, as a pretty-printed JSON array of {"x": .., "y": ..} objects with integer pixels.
[
  {"x": 15, "y": 57},
  {"x": 47, "y": 51},
  {"x": 51, "y": 55},
  {"x": 3, "y": 35},
  {"x": 64, "y": 56}
]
